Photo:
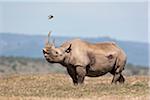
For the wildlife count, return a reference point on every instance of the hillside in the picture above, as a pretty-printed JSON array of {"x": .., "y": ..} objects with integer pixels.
[
  {"x": 31, "y": 46},
  {"x": 21, "y": 65}
]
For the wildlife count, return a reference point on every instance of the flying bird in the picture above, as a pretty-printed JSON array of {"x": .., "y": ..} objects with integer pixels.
[{"x": 50, "y": 17}]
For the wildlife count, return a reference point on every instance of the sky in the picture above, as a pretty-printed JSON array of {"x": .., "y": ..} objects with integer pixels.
[{"x": 119, "y": 20}]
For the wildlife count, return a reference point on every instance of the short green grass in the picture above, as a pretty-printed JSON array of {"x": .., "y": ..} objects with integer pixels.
[{"x": 60, "y": 86}]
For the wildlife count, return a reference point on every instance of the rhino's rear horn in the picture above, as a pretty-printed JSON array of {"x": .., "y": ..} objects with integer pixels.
[{"x": 53, "y": 42}]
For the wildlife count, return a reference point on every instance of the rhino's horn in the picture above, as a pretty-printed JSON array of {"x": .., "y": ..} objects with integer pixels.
[
  {"x": 47, "y": 40},
  {"x": 49, "y": 43}
]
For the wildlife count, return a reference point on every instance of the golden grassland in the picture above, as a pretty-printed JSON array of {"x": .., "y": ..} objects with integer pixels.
[{"x": 60, "y": 86}]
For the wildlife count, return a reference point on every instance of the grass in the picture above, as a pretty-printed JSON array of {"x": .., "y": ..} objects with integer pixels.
[{"x": 60, "y": 86}]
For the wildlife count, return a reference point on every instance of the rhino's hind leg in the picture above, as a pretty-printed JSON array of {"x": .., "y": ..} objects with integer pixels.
[
  {"x": 117, "y": 72},
  {"x": 118, "y": 77},
  {"x": 121, "y": 79},
  {"x": 73, "y": 75},
  {"x": 115, "y": 78},
  {"x": 81, "y": 72}
]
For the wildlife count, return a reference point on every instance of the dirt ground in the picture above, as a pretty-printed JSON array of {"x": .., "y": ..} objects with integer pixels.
[{"x": 60, "y": 86}]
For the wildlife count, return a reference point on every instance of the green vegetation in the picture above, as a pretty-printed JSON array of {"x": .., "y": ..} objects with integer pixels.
[{"x": 11, "y": 65}]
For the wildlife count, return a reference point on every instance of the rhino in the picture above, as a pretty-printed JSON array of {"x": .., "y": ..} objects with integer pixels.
[{"x": 82, "y": 58}]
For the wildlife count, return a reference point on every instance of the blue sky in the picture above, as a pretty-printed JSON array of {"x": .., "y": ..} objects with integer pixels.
[{"x": 119, "y": 20}]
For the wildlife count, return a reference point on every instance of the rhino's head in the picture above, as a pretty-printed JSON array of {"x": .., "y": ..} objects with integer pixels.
[{"x": 53, "y": 54}]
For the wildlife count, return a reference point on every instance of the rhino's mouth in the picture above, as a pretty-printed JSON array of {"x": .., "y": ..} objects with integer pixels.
[{"x": 46, "y": 54}]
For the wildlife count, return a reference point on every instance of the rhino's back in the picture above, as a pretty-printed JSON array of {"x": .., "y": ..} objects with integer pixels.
[
  {"x": 100, "y": 45},
  {"x": 81, "y": 50}
]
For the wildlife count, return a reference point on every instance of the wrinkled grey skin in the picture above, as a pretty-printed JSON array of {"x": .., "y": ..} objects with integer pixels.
[{"x": 82, "y": 59}]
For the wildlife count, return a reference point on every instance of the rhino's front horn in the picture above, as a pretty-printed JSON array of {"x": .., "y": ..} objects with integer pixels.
[
  {"x": 49, "y": 44},
  {"x": 49, "y": 33}
]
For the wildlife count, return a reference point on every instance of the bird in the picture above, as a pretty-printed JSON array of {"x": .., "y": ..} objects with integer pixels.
[{"x": 50, "y": 17}]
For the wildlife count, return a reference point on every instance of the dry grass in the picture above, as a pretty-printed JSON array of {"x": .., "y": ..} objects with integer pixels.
[{"x": 59, "y": 86}]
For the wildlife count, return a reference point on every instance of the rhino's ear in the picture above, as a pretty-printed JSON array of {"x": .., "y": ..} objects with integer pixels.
[{"x": 68, "y": 49}]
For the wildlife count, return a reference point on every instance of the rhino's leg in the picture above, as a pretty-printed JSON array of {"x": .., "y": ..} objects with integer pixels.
[
  {"x": 81, "y": 72},
  {"x": 121, "y": 79},
  {"x": 73, "y": 75},
  {"x": 116, "y": 78}
]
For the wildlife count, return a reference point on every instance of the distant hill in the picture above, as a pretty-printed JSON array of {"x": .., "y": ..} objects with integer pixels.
[
  {"x": 22, "y": 65},
  {"x": 31, "y": 46}
]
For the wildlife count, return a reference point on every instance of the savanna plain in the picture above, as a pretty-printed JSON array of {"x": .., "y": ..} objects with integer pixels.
[{"x": 49, "y": 85}]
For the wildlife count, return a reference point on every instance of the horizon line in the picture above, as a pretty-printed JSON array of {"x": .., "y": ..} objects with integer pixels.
[{"x": 104, "y": 36}]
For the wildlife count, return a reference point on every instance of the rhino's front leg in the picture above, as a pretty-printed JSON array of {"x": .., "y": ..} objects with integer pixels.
[
  {"x": 73, "y": 74},
  {"x": 81, "y": 72}
]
